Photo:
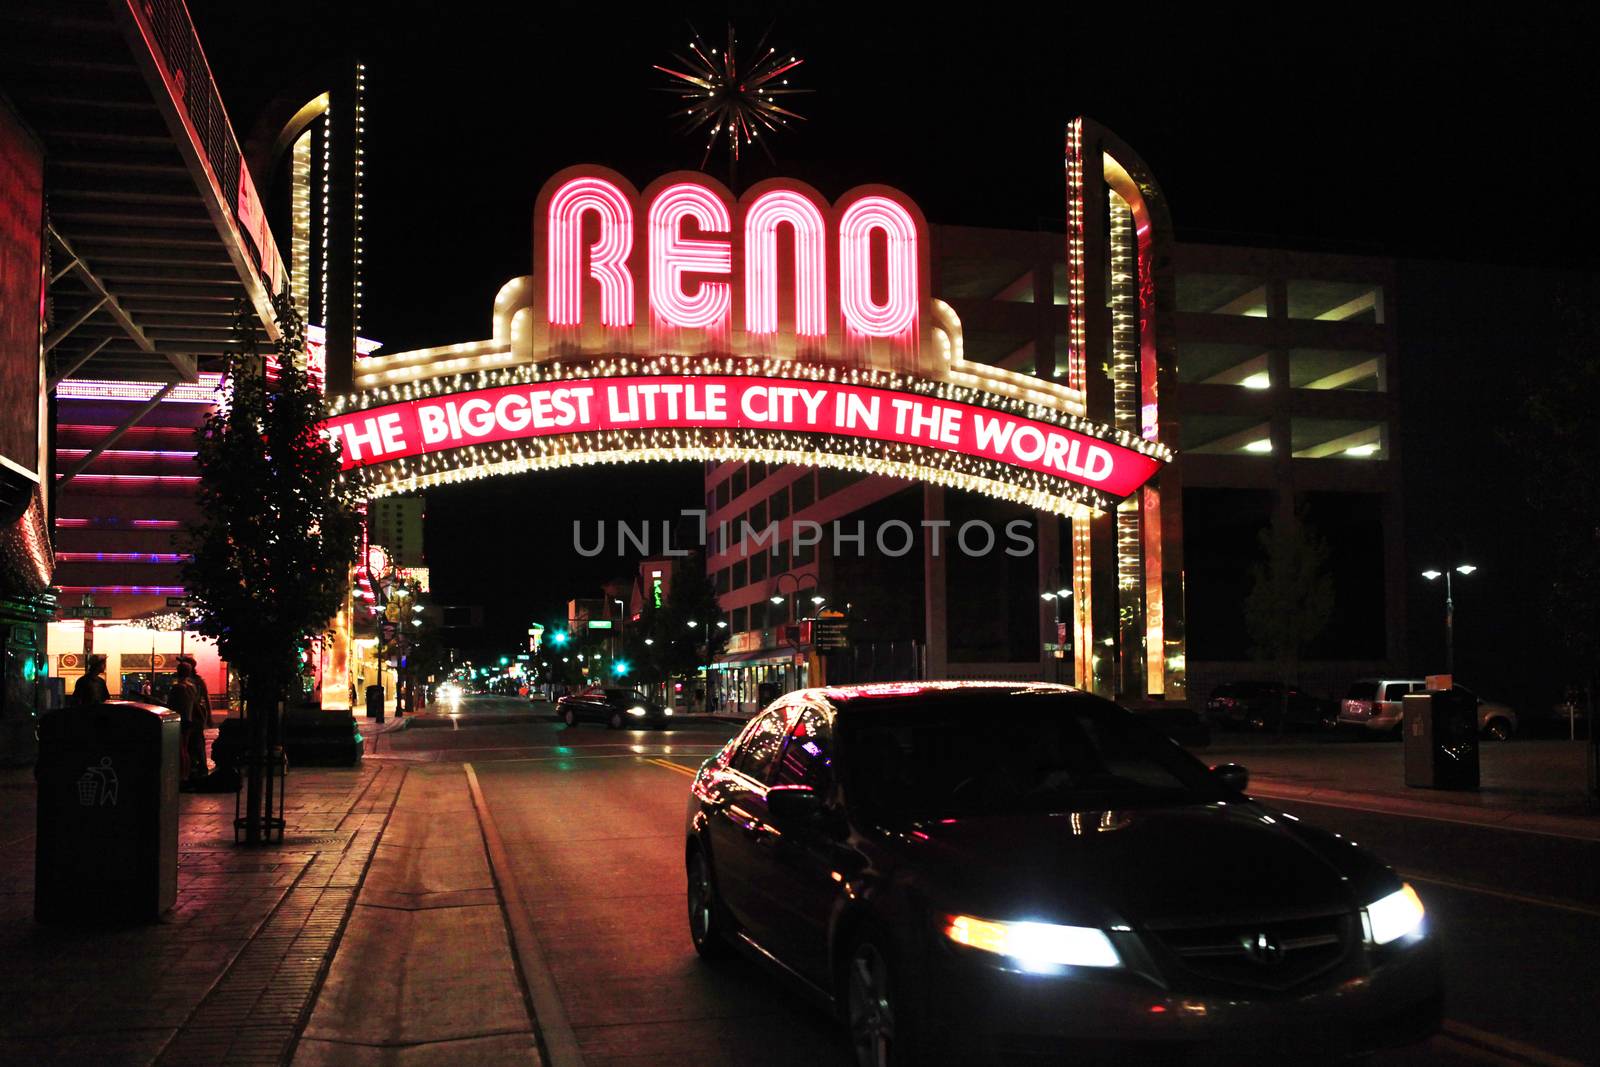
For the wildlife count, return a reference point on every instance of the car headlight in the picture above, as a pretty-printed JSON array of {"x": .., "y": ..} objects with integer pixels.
[
  {"x": 1042, "y": 947},
  {"x": 1394, "y": 916},
  {"x": 636, "y": 710}
]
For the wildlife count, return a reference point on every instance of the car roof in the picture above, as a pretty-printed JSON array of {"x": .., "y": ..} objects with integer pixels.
[{"x": 896, "y": 695}]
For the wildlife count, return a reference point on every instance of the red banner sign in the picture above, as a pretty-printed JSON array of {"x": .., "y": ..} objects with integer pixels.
[{"x": 516, "y": 412}]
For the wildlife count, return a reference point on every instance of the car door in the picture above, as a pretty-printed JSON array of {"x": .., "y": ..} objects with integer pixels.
[
  {"x": 738, "y": 820},
  {"x": 799, "y": 868}
]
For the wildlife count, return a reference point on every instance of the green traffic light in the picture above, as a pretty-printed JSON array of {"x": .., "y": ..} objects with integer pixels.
[{"x": 505, "y": 661}]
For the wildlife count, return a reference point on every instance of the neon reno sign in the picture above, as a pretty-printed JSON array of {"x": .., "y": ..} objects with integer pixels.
[
  {"x": 780, "y": 268},
  {"x": 685, "y": 324}
]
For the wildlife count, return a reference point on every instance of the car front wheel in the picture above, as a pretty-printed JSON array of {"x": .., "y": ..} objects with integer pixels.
[
  {"x": 570, "y": 717},
  {"x": 879, "y": 1031},
  {"x": 615, "y": 722},
  {"x": 1498, "y": 730}
]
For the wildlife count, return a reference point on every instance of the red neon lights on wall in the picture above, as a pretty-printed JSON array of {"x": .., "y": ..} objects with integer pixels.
[
  {"x": 123, "y": 557},
  {"x": 862, "y": 314},
  {"x": 673, "y": 255},
  {"x": 608, "y": 257},
  {"x": 781, "y": 207},
  {"x": 507, "y": 413}
]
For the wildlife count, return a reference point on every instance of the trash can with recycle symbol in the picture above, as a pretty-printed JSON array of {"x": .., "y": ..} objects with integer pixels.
[{"x": 107, "y": 841}]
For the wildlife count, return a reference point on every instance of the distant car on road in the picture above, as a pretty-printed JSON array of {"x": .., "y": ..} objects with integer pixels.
[
  {"x": 616, "y": 707},
  {"x": 1259, "y": 706},
  {"x": 1028, "y": 873},
  {"x": 1375, "y": 705}
]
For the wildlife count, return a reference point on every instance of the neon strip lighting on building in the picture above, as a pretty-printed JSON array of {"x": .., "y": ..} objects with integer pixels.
[
  {"x": 608, "y": 257},
  {"x": 124, "y": 557},
  {"x": 184, "y": 479},
  {"x": 202, "y": 392},
  {"x": 863, "y": 315},
  {"x": 132, "y": 431},
  {"x": 673, "y": 255},
  {"x": 126, "y": 590},
  {"x": 129, "y": 453},
  {"x": 771, "y": 210},
  {"x": 78, "y": 523}
]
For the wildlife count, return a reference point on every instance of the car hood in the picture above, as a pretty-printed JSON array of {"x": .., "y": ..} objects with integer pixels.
[{"x": 1178, "y": 865}]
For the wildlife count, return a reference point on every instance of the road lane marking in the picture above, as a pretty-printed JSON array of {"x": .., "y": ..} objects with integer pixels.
[
  {"x": 549, "y": 1015},
  {"x": 1514, "y": 1051},
  {"x": 1468, "y": 887},
  {"x": 1283, "y": 796},
  {"x": 669, "y": 765}
]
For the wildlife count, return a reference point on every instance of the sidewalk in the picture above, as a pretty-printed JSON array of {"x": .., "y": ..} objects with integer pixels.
[
  {"x": 425, "y": 971},
  {"x": 1534, "y": 786},
  {"x": 229, "y": 975}
]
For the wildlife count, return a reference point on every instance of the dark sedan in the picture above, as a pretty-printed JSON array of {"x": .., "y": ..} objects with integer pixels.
[
  {"x": 1261, "y": 706},
  {"x": 1020, "y": 873},
  {"x": 616, "y": 707}
]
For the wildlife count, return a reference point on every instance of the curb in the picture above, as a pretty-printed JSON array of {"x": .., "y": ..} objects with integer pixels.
[{"x": 1575, "y": 827}]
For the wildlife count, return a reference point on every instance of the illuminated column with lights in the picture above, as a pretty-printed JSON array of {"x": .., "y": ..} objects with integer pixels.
[
  {"x": 342, "y": 165},
  {"x": 1122, "y": 296},
  {"x": 1127, "y": 567},
  {"x": 300, "y": 224}
]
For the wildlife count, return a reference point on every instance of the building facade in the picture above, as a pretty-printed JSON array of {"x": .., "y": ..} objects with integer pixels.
[{"x": 1275, "y": 385}]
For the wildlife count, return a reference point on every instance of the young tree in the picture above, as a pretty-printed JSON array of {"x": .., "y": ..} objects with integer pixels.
[
  {"x": 1555, "y": 436},
  {"x": 690, "y": 622},
  {"x": 1290, "y": 599},
  {"x": 274, "y": 543}
]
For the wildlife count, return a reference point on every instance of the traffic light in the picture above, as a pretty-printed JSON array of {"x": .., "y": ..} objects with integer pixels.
[
  {"x": 619, "y": 668},
  {"x": 505, "y": 661},
  {"x": 559, "y": 638}
]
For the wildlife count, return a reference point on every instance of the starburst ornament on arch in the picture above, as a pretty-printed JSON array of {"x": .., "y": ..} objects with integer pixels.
[{"x": 735, "y": 96}]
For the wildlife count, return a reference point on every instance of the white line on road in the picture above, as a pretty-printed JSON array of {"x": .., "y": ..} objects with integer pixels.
[
  {"x": 1507, "y": 1050},
  {"x": 1538, "y": 902},
  {"x": 1288, "y": 797},
  {"x": 550, "y": 1016}
]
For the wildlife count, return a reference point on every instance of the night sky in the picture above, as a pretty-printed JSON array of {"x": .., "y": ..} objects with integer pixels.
[{"x": 1442, "y": 137}]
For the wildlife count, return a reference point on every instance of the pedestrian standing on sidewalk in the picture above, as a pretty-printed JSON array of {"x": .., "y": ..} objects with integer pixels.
[
  {"x": 202, "y": 696},
  {"x": 91, "y": 688},
  {"x": 181, "y": 698}
]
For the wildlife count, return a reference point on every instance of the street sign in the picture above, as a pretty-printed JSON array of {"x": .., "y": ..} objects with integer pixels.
[
  {"x": 830, "y": 632},
  {"x": 599, "y": 624},
  {"x": 76, "y": 611}
]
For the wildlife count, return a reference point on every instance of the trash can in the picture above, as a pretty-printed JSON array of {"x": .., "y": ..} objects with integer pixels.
[
  {"x": 375, "y": 703},
  {"x": 107, "y": 841},
  {"x": 1441, "y": 739}
]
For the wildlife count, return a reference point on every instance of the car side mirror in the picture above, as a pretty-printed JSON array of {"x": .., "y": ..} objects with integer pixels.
[
  {"x": 791, "y": 805},
  {"x": 1232, "y": 776}
]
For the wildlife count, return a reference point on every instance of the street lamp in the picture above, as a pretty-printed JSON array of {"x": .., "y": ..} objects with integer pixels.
[{"x": 1433, "y": 574}]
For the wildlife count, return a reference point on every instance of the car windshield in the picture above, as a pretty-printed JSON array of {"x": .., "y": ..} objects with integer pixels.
[
  {"x": 1011, "y": 756},
  {"x": 625, "y": 695},
  {"x": 1362, "y": 691}
]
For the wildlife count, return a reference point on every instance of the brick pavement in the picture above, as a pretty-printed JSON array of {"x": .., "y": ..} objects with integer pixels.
[{"x": 230, "y": 974}]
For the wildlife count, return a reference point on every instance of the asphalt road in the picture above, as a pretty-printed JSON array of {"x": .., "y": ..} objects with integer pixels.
[{"x": 592, "y": 820}]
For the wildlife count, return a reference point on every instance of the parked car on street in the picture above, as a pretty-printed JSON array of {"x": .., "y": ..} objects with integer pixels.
[
  {"x": 1375, "y": 705},
  {"x": 1259, "y": 706},
  {"x": 1011, "y": 872},
  {"x": 615, "y": 706}
]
